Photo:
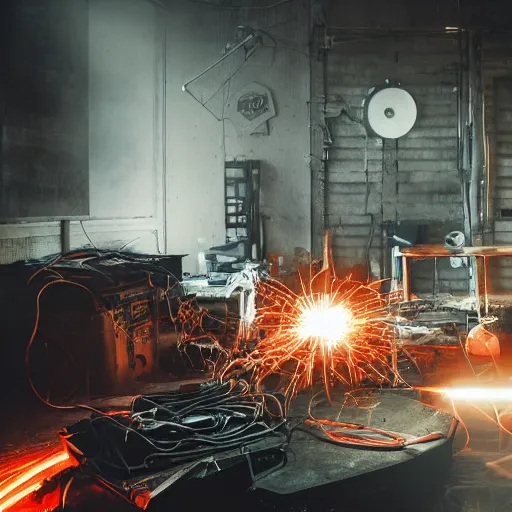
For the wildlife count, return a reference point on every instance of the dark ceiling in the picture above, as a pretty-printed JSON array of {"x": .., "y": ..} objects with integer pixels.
[{"x": 406, "y": 14}]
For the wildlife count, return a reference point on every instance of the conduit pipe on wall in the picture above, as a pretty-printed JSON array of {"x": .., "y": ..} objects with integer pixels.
[
  {"x": 241, "y": 44},
  {"x": 463, "y": 130},
  {"x": 487, "y": 206},
  {"x": 477, "y": 136}
]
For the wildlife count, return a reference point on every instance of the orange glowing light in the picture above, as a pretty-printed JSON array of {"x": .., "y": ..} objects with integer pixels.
[
  {"x": 474, "y": 396},
  {"x": 28, "y": 474},
  {"x": 335, "y": 330},
  {"x": 323, "y": 319},
  {"x": 36, "y": 470},
  {"x": 479, "y": 394},
  {"x": 23, "y": 493}
]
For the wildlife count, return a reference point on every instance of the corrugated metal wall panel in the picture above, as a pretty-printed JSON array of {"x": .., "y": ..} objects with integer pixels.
[{"x": 428, "y": 187}]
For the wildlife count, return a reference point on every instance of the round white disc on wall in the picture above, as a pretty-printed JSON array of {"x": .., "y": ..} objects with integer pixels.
[{"x": 391, "y": 112}]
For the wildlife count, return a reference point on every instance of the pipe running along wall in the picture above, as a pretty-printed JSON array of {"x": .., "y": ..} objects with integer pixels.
[{"x": 477, "y": 181}]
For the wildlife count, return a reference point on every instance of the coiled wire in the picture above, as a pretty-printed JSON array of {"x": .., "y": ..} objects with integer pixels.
[{"x": 163, "y": 430}]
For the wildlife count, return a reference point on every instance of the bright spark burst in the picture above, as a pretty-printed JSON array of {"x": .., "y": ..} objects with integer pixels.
[
  {"x": 320, "y": 318},
  {"x": 335, "y": 330}
]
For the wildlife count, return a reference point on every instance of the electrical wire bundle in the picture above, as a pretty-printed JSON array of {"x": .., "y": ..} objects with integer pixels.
[
  {"x": 109, "y": 268},
  {"x": 101, "y": 275},
  {"x": 162, "y": 431},
  {"x": 357, "y": 435}
]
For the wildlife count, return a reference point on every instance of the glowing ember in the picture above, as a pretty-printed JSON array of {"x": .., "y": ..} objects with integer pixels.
[
  {"x": 23, "y": 493},
  {"x": 480, "y": 394},
  {"x": 323, "y": 319},
  {"x": 27, "y": 474}
]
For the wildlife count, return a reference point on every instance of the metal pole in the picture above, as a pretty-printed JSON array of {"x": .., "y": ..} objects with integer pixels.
[
  {"x": 476, "y": 148},
  {"x": 318, "y": 157},
  {"x": 406, "y": 283},
  {"x": 476, "y": 123},
  {"x": 65, "y": 236},
  {"x": 242, "y": 43},
  {"x": 462, "y": 131}
]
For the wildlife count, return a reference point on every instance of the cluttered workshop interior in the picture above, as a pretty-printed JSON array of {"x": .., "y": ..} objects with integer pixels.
[{"x": 256, "y": 255}]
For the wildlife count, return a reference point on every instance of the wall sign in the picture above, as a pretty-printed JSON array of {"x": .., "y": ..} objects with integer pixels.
[{"x": 250, "y": 107}]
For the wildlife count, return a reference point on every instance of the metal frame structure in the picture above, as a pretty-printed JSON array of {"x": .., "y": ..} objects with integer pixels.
[
  {"x": 241, "y": 203},
  {"x": 479, "y": 255}
]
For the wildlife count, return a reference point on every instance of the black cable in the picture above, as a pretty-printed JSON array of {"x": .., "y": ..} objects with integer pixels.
[
  {"x": 87, "y": 236},
  {"x": 168, "y": 429},
  {"x": 128, "y": 243},
  {"x": 97, "y": 257}
]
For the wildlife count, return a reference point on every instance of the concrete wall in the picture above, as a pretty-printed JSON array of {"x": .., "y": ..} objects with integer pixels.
[
  {"x": 43, "y": 108},
  {"x": 198, "y": 143},
  {"x": 125, "y": 94},
  {"x": 156, "y": 155},
  {"x": 125, "y": 139},
  {"x": 284, "y": 153},
  {"x": 405, "y": 14},
  {"x": 416, "y": 181},
  {"x": 196, "y": 36},
  {"x": 126, "y": 44}
]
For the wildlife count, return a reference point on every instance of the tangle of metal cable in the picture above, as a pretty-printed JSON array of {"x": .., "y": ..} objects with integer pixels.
[
  {"x": 177, "y": 427},
  {"x": 365, "y": 353},
  {"x": 144, "y": 263},
  {"x": 361, "y": 436}
]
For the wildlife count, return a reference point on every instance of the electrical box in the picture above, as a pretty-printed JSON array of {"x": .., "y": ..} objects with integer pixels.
[{"x": 130, "y": 334}]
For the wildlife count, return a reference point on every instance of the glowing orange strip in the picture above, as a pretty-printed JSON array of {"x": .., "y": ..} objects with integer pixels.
[
  {"x": 28, "y": 475},
  {"x": 31, "y": 473},
  {"x": 19, "y": 496},
  {"x": 479, "y": 394}
]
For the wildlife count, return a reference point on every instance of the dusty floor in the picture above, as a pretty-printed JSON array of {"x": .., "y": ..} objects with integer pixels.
[
  {"x": 480, "y": 478},
  {"x": 476, "y": 485},
  {"x": 38, "y": 424}
]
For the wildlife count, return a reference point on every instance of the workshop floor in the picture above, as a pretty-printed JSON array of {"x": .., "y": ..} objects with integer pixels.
[
  {"x": 480, "y": 478},
  {"x": 474, "y": 484},
  {"x": 38, "y": 424}
]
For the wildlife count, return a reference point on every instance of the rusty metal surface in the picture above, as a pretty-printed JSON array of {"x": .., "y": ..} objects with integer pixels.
[{"x": 439, "y": 251}]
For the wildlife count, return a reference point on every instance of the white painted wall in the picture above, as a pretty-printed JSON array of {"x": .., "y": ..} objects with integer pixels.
[
  {"x": 125, "y": 47},
  {"x": 196, "y": 36},
  {"x": 284, "y": 153},
  {"x": 126, "y": 43},
  {"x": 125, "y": 139},
  {"x": 198, "y": 144},
  {"x": 129, "y": 164}
]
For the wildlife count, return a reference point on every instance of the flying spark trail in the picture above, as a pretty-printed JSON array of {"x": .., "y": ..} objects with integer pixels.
[{"x": 336, "y": 330}]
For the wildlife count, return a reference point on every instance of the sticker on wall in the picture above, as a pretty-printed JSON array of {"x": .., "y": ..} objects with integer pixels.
[{"x": 250, "y": 108}]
